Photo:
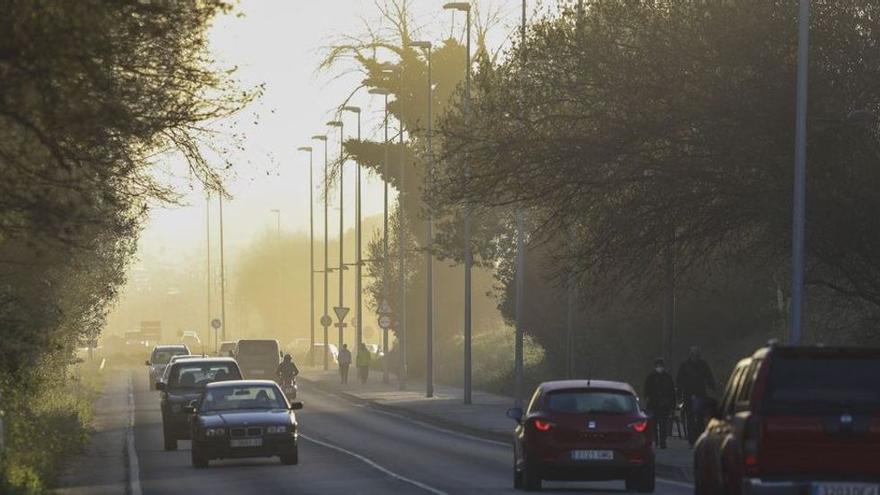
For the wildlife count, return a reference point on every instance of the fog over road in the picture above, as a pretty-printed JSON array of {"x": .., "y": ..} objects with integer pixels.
[{"x": 344, "y": 448}]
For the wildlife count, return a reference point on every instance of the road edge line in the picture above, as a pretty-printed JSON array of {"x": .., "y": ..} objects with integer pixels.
[
  {"x": 375, "y": 466},
  {"x": 132, "y": 467}
]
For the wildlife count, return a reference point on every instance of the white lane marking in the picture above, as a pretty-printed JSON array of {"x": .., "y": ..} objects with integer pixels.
[
  {"x": 422, "y": 424},
  {"x": 372, "y": 464},
  {"x": 681, "y": 484},
  {"x": 134, "y": 472}
]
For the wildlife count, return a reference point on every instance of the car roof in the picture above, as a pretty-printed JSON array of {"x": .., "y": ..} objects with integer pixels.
[
  {"x": 208, "y": 360},
  {"x": 241, "y": 383},
  {"x": 817, "y": 351},
  {"x": 555, "y": 385},
  {"x": 169, "y": 346}
]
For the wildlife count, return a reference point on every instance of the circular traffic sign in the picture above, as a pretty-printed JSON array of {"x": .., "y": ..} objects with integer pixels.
[
  {"x": 326, "y": 321},
  {"x": 215, "y": 323},
  {"x": 384, "y": 322}
]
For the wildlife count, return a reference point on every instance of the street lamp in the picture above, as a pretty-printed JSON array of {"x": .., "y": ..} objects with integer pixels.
[
  {"x": 359, "y": 334},
  {"x": 325, "y": 318},
  {"x": 383, "y": 306},
  {"x": 340, "y": 314},
  {"x": 308, "y": 149},
  {"x": 429, "y": 304},
  {"x": 800, "y": 178},
  {"x": 468, "y": 258}
]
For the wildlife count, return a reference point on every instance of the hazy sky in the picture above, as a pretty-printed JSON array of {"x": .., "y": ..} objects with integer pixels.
[{"x": 279, "y": 43}]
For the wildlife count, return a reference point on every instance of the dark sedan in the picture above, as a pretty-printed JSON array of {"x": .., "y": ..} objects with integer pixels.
[
  {"x": 245, "y": 418},
  {"x": 582, "y": 430},
  {"x": 185, "y": 382}
]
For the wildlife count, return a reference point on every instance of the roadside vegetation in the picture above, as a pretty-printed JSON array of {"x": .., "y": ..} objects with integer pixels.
[{"x": 79, "y": 136}]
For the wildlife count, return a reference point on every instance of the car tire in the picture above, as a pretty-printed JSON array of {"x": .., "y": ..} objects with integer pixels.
[
  {"x": 199, "y": 459},
  {"x": 291, "y": 459},
  {"x": 642, "y": 481},
  {"x": 531, "y": 479},
  {"x": 170, "y": 442}
]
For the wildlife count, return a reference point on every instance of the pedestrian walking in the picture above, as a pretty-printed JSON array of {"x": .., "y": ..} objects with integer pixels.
[
  {"x": 660, "y": 399},
  {"x": 344, "y": 360},
  {"x": 695, "y": 380},
  {"x": 363, "y": 362}
]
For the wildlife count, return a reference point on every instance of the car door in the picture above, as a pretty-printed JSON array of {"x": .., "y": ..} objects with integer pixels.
[
  {"x": 520, "y": 431},
  {"x": 717, "y": 431}
]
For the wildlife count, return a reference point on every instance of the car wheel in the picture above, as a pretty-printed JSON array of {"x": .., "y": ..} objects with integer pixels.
[
  {"x": 642, "y": 481},
  {"x": 291, "y": 459},
  {"x": 531, "y": 479},
  {"x": 170, "y": 443},
  {"x": 199, "y": 459}
]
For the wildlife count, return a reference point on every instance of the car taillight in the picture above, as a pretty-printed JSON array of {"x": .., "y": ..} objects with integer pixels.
[
  {"x": 639, "y": 426},
  {"x": 541, "y": 425},
  {"x": 752, "y": 436}
]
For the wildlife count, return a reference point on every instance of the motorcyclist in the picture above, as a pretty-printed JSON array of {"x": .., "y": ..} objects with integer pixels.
[{"x": 287, "y": 371}]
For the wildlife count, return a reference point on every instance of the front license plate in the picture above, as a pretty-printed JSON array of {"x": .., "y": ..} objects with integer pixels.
[
  {"x": 246, "y": 442},
  {"x": 846, "y": 489},
  {"x": 592, "y": 455}
]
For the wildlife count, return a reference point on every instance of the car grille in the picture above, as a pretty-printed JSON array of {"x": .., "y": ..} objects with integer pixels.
[{"x": 253, "y": 431}]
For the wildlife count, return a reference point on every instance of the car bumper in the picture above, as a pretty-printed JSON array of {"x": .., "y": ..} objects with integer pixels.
[
  {"x": 623, "y": 466},
  {"x": 220, "y": 449},
  {"x": 758, "y": 486}
]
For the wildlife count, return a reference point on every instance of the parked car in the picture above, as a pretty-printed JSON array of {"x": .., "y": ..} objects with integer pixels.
[
  {"x": 795, "y": 420},
  {"x": 159, "y": 359},
  {"x": 332, "y": 353},
  {"x": 184, "y": 383},
  {"x": 258, "y": 358},
  {"x": 248, "y": 418},
  {"x": 583, "y": 430}
]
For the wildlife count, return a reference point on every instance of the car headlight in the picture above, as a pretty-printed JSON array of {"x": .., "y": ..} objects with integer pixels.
[
  {"x": 215, "y": 432},
  {"x": 277, "y": 429}
]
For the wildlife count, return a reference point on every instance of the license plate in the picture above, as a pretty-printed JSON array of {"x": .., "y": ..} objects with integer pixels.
[
  {"x": 246, "y": 442},
  {"x": 592, "y": 455},
  {"x": 846, "y": 489}
]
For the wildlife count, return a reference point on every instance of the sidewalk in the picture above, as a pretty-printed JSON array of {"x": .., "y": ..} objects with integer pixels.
[
  {"x": 102, "y": 469},
  {"x": 484, "y": 418}
]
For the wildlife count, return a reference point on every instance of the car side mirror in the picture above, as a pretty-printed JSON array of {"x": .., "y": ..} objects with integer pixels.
[
  {"x": 296, "y": 406},
  {"x": 515, "y": 413},
  {"x": 160, "y": 386},
  {"x": 147, "y": 363}
]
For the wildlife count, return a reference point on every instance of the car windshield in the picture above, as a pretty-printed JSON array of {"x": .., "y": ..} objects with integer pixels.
[
  {"x": 837, "y": 383},
  {"x": 591, "y": 401},
  {"x": 258, "y": 347},
  {"x": 243, "y": 397},
  {"x": 197, "y": 375},
  {"x": 162, "y": 356}
]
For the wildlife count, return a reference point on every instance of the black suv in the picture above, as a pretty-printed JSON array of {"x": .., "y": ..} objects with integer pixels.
[
  {"x": 795, "y": 420},
  {"x": 186, "y": 381}
]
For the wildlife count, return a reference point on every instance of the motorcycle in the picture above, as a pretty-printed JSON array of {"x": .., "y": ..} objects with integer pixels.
[{"x": 288, "y": 386}]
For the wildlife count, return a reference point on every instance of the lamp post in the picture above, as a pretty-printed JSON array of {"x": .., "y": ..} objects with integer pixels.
[
  {"x": 468, "y": 259},
  {"x": 518, "y": 366},
  {"x": 359, "y": 328},
  {"x": 341, "y": 126},
  {"x": 384, "y": 303},
  {"x": 308, "y": 149},
  {"x": 800, "y": 178},
  {"x": 208, "y": 268},
  {"x": 325, "y": 318},
  {"x": 222, "y": 272},
  {"x": 429, "y": 303}
]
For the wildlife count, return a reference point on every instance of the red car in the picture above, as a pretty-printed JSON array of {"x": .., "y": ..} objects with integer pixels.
[
  {"x": 795, "y": 420},
  {"x": 583, "y": 430}
]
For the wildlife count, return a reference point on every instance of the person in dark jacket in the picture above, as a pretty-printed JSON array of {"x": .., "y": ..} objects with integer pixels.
[
  {"x": 695, "y": 380},
  {"x": 660, "y": 399}
]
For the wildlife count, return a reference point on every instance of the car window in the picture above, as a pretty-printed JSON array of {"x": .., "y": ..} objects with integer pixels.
[
  {"x": 258, "y": 347},
  {"x": 591, "y": 401},
  {"x": 242, "y": 397},
  {"x": 728, "y": 401},
  {"x": 744, "y": 394},
  {"x": 533, "y": 404},
  {"x": 197, "y": 375},
  {"x": 162, "y": 356},
  {"x": 807, "y": 383}
]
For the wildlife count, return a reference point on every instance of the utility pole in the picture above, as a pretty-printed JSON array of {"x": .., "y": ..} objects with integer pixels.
[
  {"x": 800, "y": 178},
  {"x": 311, "y": 256},
  {"x": 519, "y": 367},
  {"x": 325, "y": 318},
  {"x": 208, "y": 270},
  {"x": 401, "y": 239},
  {"x": 341, "y": 323},
  {"x": 359, "y": 260},
  {"x": 222, "y": 271}
]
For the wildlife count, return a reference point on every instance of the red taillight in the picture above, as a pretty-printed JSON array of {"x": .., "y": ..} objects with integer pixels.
[
  {"x": 752, "y": 437},
  {"x": 639, "y": 426},
  {"x": 542, "y": 425}
]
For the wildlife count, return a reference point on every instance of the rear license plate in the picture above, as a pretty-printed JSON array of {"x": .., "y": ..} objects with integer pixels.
[
  {"x": 246, "y": 442},
  {"x": 845, "y": 489},
  {"x": 592, "y": 455}
]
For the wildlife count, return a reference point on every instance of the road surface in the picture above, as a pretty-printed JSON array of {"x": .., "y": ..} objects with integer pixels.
[{"x": 344, "y": 448}]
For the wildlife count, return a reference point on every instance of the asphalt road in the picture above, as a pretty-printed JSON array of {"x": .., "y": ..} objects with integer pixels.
[{"x": 346, "y": 449}]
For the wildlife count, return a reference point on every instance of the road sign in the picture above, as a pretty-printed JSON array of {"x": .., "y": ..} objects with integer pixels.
[
  {"x": 216, "y": 324},
  {"x": 384, "y": 308},
  {"x": 340, "y": 325},
  {"x": 326, "y": 321},
  {"x": 340, "y": 312},
  {"x": 384, "y": 322}
]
